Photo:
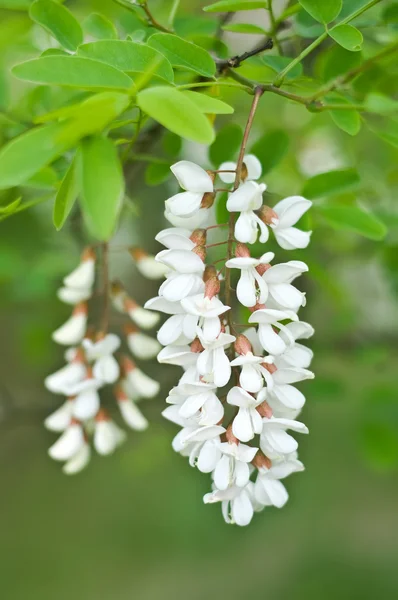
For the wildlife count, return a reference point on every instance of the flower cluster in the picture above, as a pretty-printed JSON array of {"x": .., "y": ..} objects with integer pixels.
[
  {"x": 91, "y": 364},
  {"x": 235, "y": 401}
]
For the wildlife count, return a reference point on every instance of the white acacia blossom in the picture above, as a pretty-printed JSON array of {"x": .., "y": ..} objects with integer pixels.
[
  {"x": 92, "y": 363},
  {"x": 235, "y": 403}
]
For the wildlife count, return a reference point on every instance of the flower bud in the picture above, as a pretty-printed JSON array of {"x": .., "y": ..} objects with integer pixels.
[
  {"x": 270, "y": 367},
  {"x": 196, "y": 346},
  {"x": 264, "y": 410},
  {"x": 208, "y": 200},
  {"x": 230, "y": 437},
  {"x": 242, "y": 250},
  {"x": 242, "y": 345},
  {"x": 209, "y": 273},
  {"x": 260, "y": 461},
  {"x": 200, "y": 251},
  {"x": 198, "y": 237},
  {"x": 212, "y": 287},
  {"x": 262, "y": 268},
  {"x": 267, "y": 215}
]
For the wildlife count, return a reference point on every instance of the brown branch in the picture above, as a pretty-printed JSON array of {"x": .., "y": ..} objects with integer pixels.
[{"x": 235, "y": 61}]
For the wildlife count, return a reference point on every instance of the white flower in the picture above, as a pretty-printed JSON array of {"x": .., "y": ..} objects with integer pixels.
[
  {"x": 73, "y": 330},
  {"x": 233, "y": 468},
  {"x": 83, "y": 276},
  {"x": 69, "y": 443},
  {"x": 213, "y": 363},
  {"x": 267, "y": 320},
  {"x": 251, "y": 165},
  {"x": 107, "y": 435},
  {"x": 248, "y": 421},
  {"x": 140, "y": 344},
  {"x": 253, "y": 371},
  {"x": 268, "y": 491},
  {"x": 196, "y": 220},
  {"x": 87, "y": 401},
  {"x": 176, "y": 238},
  {"x": 275, "y": 441},
  {"x": 186, "y": 276},
  {"x": 78, "y": 461},
  {"x": 181, "y": 261},
  {"x": 147, "y": 265},
  {"x": 132, "y": 416},
  {"x": 180, "y": 328},
  {"x": 289, "y": 211},
  {"x": 281, "y": 294},
  {"x": 60, "y": 419},
  {"x": 246, "y": 199},
  {"x": 73, "y": 295},
  {"x": 295, "y": 355},
  {"x": 236, "y": 504},
  {"x": 197, "y": 397},
  {"x": 140, "y": 316},
  {"x": 207, "y": 310},
  {"x": 284, "y": 400},
  {"x": 61, "y": 381},
  {"x": 181, "y": 356},
  {"x": 141, "y": 383},
  {"x": 251, "y": 287},
  {"x": 196, "y": 181},
  {"x": 106, "y": 367}
]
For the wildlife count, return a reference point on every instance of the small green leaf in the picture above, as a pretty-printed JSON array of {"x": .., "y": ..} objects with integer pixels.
[
  {"x": 128, "y": 56},
  {"x": 329, "y": 183},
  {"x": 323, "y": 11},
  {"x": 278, "y": 63},
  {"x": 66, "y": 196},
  {"x": 306, "y": 26},
  {"x": 101, "y": 196},
  {"x": 208, "y": 104},
  {"x": 380, "y": 104},
  {"x": 244, "y": 28},
  {"x": 347, "y": 36},
  {"x": 234, "y": 6},
  {"x": 226, "y": 145},
  {"x": 387, "y": 131},
  {"x": 353, "y": 218},
  {"x": 73, "y": 71},
  {"x": 175, "y": 111},
  {"x": 183, "y": 54},
  {"x": 271, "y": 148},
  {"x": 58, "y": 21},
  {"x": 101, "y": 107},
  {"x": 347, "y": 120},
  {"x": 99, "y": 27},
  {"x": 156, "y": 173},
  {"x": 45, "y": 179}
]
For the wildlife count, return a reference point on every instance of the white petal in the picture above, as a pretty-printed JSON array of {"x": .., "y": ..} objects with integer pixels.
[
  {"x": 271, "y": 492},
  {"x": 253, "y": 166},
  {"x": 150, "y": 268},
  {"x": 79, "y": 461},
  {"x": 144, "y": 318},
  {"x": 144, "y": 385},
  {"x": 292, "y": 238},
  {"x": 68, "y": 444},
  {"x": 227, "y": 177},
  {"x": 162, "y": 305},
  {"x": 246, "y": 290},
  {"x": 105, "y": 438},
  {"x": 72, "y": 331},
  {"x": 242, "y": 473},
  {"x": 132, "y": 416},
  {"x": 289, "y": 396},
  {"x": 242, "y": 426},
  {"x": 175, "y": 237},
  {"x": 291, "y": 209},
  {"x": 60, "y": 381},
  {"x": 291, "y": 375},
  {"x": 182, "y": 261},
  {"x": 222, "y": 473},
  {"x": 209, "y": 456},
  {"x": 246, "y": 228},
  {"x": 222, "y": 368},
  {"x": 196, "y": 220},
  {"x": 143, "y": 346},
  {"x": 287, "y": 295},
  {"x": 184, "y": 204},
  {"x": 73, "y": 295},
  {"x": 86, "y": 405},
  {"x": 270, "y": 340},
  {"x": 248, "y": 196},
  {"x": 250, "y": 378},
  {"x": 192, "y": 177},
  {"x": 242, "y": 509},
  {"x": 176, "y": 288},
  {"x": 60, "y": 419},
  {"x": 83, "y": 276},
  {"x": 106, "y": 369}
]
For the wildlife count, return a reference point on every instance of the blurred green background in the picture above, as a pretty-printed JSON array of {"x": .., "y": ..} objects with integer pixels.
[{"x": 133, "y": 525}]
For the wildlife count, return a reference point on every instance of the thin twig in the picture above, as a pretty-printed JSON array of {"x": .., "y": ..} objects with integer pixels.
[{"x": 235, "y": 61}]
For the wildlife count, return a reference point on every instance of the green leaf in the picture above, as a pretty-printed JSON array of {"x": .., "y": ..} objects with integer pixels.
[
  {"x": 66, "y": 196},
  {"x": 234, "y": 6},
  {"x": 101, "y": 107},
  {"x": 182, "y": 54},
  {"x": 99, "y": 27},
  {"x": 306, "y": 26},
  {"x": 45, "y": 179},
  {"x": 347, "y": 36},
  {"x": 128, "y": 56},
  {"x": 102, "y": 185},
  {"x": 380, "y": 104},
  {"x": 208, "y": 104},
  {"x": 58, "y": 21},
  {"x": 175, "y": 111},
  {"x": 387, "y": 131},
  {"x": 226, "y": 145},
  {"x": 347, "y": 120},
  {"x": 244, "y": 28},
  {"x": 353, "y": 218},
  {"x": 15, "y": 4},
  {"x": 323, "y": 11},
  {"x": 8, "y": 209},
  {"x": 73, "y": 71},
  {"x": 278, "y": 63},
  {"x": 329, "y": 183},
  {"x": 339, "y": 61},
  {"x": 271, "y": 148},
  {"x": 156, "y": 173},
  {"x": 20, "y": 158}
]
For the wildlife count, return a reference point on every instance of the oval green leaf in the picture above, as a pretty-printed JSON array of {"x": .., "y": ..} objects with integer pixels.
[
  {"x": 323, "y": 11},
  {"x": 129, "y": 56},
  {"x": 183, "y": 54},
  {"x": 234, "y": 6},
  {"x": 101, "y": 196},
  {"x": 73, "y": 71},
  {"x": 208, "y": 104},
  {"x": 332, "y": 182},
  {"x": 355, "y": 219},
  {"x": 99, "y": 27},
  {"x": 58, "y": 21},
  {"x": 175, "y": 111},
  {"x": 244, "y": 28},
  {"x": 66, "y": 196},
  {"x": 347, "y": 36}
]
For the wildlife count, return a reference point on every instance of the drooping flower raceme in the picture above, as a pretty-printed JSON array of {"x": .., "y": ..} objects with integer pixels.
[
  {"x": 92, "y": 364},
  {"x": 235, "y": 403}
]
